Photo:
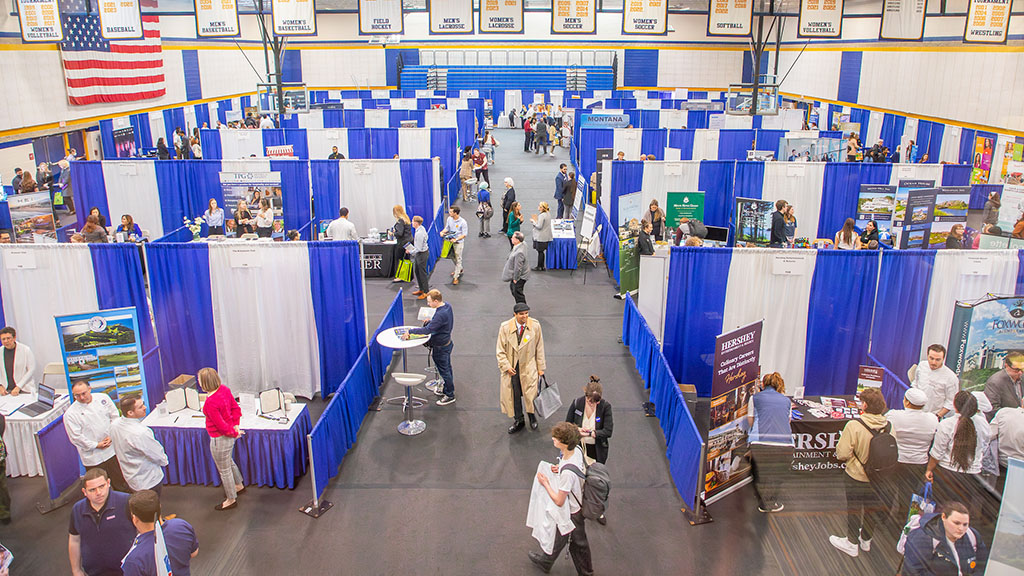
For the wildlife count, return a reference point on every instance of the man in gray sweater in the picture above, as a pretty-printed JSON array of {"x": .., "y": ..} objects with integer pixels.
[{"x": 516, "y": 269}]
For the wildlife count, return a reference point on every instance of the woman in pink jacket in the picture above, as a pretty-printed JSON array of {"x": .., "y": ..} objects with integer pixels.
[{"x": 222, "y": 417}]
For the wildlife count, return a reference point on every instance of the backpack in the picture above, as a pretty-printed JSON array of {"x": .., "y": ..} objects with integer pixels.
[
  {"x": 883, "y": 453},
  {"x": 484, "y": 210},
  {"x": 596, "y": 486},
  {"x": 697, "y": 228}
]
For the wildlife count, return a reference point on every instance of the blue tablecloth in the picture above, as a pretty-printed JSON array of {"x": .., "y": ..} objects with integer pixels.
[
  {"x": 561, "y": 254},
  {"x": 265, "y": 457}
]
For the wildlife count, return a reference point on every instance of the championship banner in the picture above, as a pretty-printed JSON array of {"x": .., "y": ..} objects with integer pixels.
[
  {"x": 982, "y": 334},
  {"x": 645, "y": 17},
  {"x": 40, "y": 21},
  {"x": 987, "y": 21},
  {"x": 450, "y": 16},
  {"x": 380, "y": 17},
  {"x": 293, "y": 17},
  {"x": 820, "y": 19},
  {"x": 501, "y": 16},
  {"x": 731, "y": 18},
  {"x": 902, "y": 20},
  {"x": 120, "y": 19},
  {"x": 736, "y": 370},
  {"x": 217, "y": 18},
  {"x": 574, "y": 16}
]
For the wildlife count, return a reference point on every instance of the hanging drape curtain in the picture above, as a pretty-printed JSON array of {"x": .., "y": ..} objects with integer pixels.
[
  {"x": 956, "y": 175},
  {"x": 236, "y": 144},
  {"x": 935, "y": 142},
  {"x": 754, "y": 292},
  {"x": 698, "y": 278},
  {"x": 733, "y": 144},
  {"x": 325, "y": 176},
  {"x": 966, "y": 146},
  {"x": 979, "y": 192},
  {"x": 839, "y": 320},
  {"x": 384, "y": 180},
  {"x": 313, "y": 120},
  {"x": 799, "y": 184},
  {"x": 931, "y": 172},
  {"x": 320, "y": 143},
  {"x": 873, "y": 131},
  {"x": 649, "y": 119},
  {"x": 768, "y": 140},
  {"x": 950, "y": 151},
  {"x": 204, "y": 184},
  {"x": 892, "y": 130},
  {"x": 590, "y": 140},
  {"x": 176, "y": 201},
  {"x": 375, "y": 118},
  {"x": 117, "y": 270},
  {"x": 202, "y": 112},
  {"x": 296, "y": 137},
  {"x": 222, "y": 110},
  {"x": 660, "y": 178},
  {"x": 626, "y": 177},
  {"x": 841, "y": 184},
  {"x": 1020, "y": 273},
  {"x": 654, "y": 141},
  {"x": 444, "y": 144},
  {"x": 716, "y": 181},
  {"x": 358, "y": 143},
  {"x": 383, "y": 143},
  {"x": 132, "y": 189},
  {"x": 682, "y": 139},
  {"x": 628, "y": 141},
  {"x": 466, "y": 122},
  {"x": 89, "y": 189},
  {"x": 749, "y": 179},
  {"x": 143, "y": 136},
  {"x": 900, "y": 305},
  {"x": 174, "y": 118},
  {"x": 420, "y": 188},
  {"x": 609, "y": 237},
  {"x": 697, "y": 119},
  {"x": 355, "y": 118},
  {"x": 295, "y": 191},
  {"x": 334, "y": 118},
  {"x": 211, "y": 144},
  {"x": 272, "y": 137},
  {"x": 413, "y": 142},
  {"x": 705, "y": 144},
  {"x": 862, "y": 117},
  {"x": 337, "y": 297},
  {"x": 107, "y": 139}
]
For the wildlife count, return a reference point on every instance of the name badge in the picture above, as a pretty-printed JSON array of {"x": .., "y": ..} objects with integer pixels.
[
  {"x": 579, "y": 413},
  {"x": 597, "y": 419},
  {"x": 112, "y": 517}
]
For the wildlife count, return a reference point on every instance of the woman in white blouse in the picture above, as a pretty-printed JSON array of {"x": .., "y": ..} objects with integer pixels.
[
  {"x": 265, "y": 219},
  {"x": 847, "y": 238},
  {"x": 214, "y": 217},
  {"x": 958, "y": 449}
]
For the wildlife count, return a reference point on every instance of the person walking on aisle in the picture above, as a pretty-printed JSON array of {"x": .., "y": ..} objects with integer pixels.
[
  {"x": 528, "y": 133},
  {"x": 771, "y": 440},
  {"x": 540, "y": 136},
  {"x": 568, "y": 195},
  {"x": 420, "y": 253},
  {"x": 563, "y": 171},
  {"x": 542, "y": 234},
  {"x": 516, "y": 268},
  {"x": 515, "y": 221},
  {"x": 402, "y": 231},
  {"x": 480, "y": 165},
  {"x": 520, "y": 354},
  {"x": 484, "y": 210},
  {"x": 466, "y": 172},
  {"x": 455, "y": 230},
  {"x": 507, "y": 200},
  {"x": 439, "y": 327}
]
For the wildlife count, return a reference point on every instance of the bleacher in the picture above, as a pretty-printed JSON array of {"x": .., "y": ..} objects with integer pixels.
[{"x": 507, "y": 77}]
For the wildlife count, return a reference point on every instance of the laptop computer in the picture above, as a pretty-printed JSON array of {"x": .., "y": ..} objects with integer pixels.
[{"x": 42, "y": 405}]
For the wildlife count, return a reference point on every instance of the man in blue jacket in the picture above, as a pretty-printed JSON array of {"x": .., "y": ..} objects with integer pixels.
[
  {"x": 945, "y": 544},
  {"x": 560, "y": 188},
  {"x": 440, "y": 329}
]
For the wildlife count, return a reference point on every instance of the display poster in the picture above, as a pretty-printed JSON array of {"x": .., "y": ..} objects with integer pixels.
[
  {"x": 876, "y": 202},
  {"x": 931, "y": 213},
  {"x": 293, "y": 17},
  {"x": 645, "y": 17},
  {"x": 902, "y": 20},
  {"x": 103, "y": 350},
  {"x": 378, "y": 17},
  {"x": 450, "y": 16},
  {"x": 1013, "y": 164},
  {"x": 902, "y": 191},
  {"x": 32, "y": 218},
  {"x": 681, "y": 205},
  {"x": 630, "y": 215},
  {"x": 810, "y": 149},
  {"x": 1005, "y": 558},
  {"x": 869, "y": 377},
  {"x": 217, "y": 18},
  {"x": 124, "y": 142},
  {"x": 982, "y": 334},
  {"x": 501, "y": 16},
  {"x": 982, "y": 159},
  {"x": 601, "y": 154},
  {"x": 754, "y": 221},
  {"x": 574, "y": 16},
  {"x": 1011, "y": 206},
  {"x": 40, "y": 21},
  {"x": 820, "y": 19},
  {"x": 246, "y": 193},
  {"x": 734, "y": 381},
  {"x": 987, "y": 21},
  {"x": 731, "y": 18},
  {"x": 120, "y": 19}
]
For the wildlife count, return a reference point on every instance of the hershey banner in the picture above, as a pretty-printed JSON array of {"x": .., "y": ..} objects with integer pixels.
[
  {"x": 731, "y": 18},
  {"x": 294, "y": 17},
  {"x": 378, "y": 17},
  {"x": 450, "y": 16},
  {"x": 501, "y": 16},
  {"x": 820, "y": 19},
  {"x": 217, "y": 18},
  {"x": 902, "y": 20},
  {"x": 120, "y": 19},
  {"x": 987, "y": 21},
  {"x": 40, "y": 21},
  {"x": 573, "y": 16},
  {"x": 645, "y": 17}
]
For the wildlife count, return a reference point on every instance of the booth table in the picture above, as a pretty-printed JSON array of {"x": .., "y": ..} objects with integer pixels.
[
  {"x": 815, "y": 439},
  {"x": 20, "y": 434},
  {"x": 379, "y": 259},
  {"x": 561, "y": 254},
  {"x": 270, "y": 453}
]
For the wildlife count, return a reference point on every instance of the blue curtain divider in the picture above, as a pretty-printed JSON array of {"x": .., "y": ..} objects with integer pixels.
[
  {"x": 900, "y": 305},
  {"x": 337, "y": 292},
  {"x": 609, "y": 238},
  {"x": 209, "y": 140},
  {"x": 177, "y": 200},
  {"x": 893, "y": 386},
  {"x": 383, "y": 143},
  {"x": 716, "y": 181},
  {"x": 294, "y": 191},
  {"x": 179, "y": 234},
  {"x": 840, "y": 190},
  {"x": 839, "y": 318},
  {"x": 222, "y": 112},
  {"x": 174, "y": 118},
  {"x": 1020, "y": 273},
  {"x": 380, "y": 357},
  {"x": 143, "y": 132},
  {"x": 107, "y": 139},
  {"x": 749, "y": 180},
  {"x": 966, "y": 145},
  {"x": 654, "y": 142},
  {"x": 63, "y": 467},
  {"x": 334, "y": 118},
  {"x": 466, "y": 121},
  {"x": 627, "y": 177},
  {"x": 892, "y": 130},
  {"x": 117, "y": 270},
  {"x": 979, "y": 194},
  {"x": 90, "y": 189},
  {"x": 767, "y": 140},
  {"x": 683, "y": 140},
  {"x": 733, "y": 144},
  {"x": 418, "y": 188},
  {"x": 935, "y": 142},
  {"x": 590, "y": 140},
  {"x": 355, "y": 119},
  {"x": 434, "y": 242},
  {"x": 336, "y": 430},
  {"x": 202, "y": 112},
  {"x": 155, "y": 383},
  {"x": 956, "y": 174},
  {"x": 326, "y": 181}
]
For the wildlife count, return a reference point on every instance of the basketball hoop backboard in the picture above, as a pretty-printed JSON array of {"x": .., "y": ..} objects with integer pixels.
[
  {"x": 739, "y": 99},
  {"x": 296, "y": 98}
]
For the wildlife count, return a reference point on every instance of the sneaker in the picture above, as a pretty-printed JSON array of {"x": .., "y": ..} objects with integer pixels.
[
  {"x": 446, "y": 400},
  {"x": 865, "y": 545},
  {"x": 439, "y": 391},
  {"x": 844, "y": 545}
]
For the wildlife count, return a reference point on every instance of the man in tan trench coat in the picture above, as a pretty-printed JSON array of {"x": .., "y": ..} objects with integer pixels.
[{"x": 520, "y": 352}]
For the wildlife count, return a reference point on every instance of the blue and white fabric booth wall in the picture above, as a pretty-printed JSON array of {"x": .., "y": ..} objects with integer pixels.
[{"x": 291, "y": 317}]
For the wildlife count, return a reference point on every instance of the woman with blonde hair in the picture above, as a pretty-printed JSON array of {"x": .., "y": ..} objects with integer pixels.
[
  {"x": 403, "y": 234},
  {"x": 222, "y": 418},
  {"x": 542, "y": 234}
]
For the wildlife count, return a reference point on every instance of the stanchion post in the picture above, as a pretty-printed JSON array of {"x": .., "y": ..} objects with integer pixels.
[
  {"x": 316, "y": 507},
  {"x": 699, "y": 515}
]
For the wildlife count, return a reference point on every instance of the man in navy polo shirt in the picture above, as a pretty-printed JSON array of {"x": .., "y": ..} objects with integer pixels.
[
  {"x": 179, "y": 539},
  {"x": 101, "y": 530}
]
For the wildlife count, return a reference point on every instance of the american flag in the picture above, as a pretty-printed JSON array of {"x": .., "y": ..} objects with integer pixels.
[{"x": 97, "y": 70}]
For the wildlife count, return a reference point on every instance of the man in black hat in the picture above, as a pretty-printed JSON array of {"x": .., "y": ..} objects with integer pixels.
[{"x": 520, "y": 353}]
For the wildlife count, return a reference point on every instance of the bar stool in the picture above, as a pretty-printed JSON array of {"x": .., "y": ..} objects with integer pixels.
[
  {"x": 435, "y": 379},
  {"x": 409, "y": 426}
]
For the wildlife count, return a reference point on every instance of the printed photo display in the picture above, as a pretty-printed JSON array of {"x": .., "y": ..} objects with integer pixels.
[
  {"x": 32, "y": 218},
  {"x": 102, "y": 349},
  {"x": 247, "y": 195}
]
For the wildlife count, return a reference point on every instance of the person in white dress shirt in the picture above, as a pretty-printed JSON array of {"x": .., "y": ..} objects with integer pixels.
[
  {"x": 140, "y": 454},
  {"x": 19, "y": 365},
  {"x": 914, "y": 430},
  {"x": 342, "y": 229},
  {"x": 937, "y": 381},
  {"x": 87, "y": 422}
]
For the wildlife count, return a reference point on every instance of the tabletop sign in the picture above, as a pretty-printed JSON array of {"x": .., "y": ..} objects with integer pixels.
[
  {"x": 574, "y": 16},
  {"x": 976, "y": 265},
  {"x": 902, "y": 20},
  {"x": 40, "y": 21},
  {"x": 790, "y": 264},
  {"x": 820, "y": 19},
  {"x": 120, "y": 19},
  {"x": 450, "y": 16},
  {"x": 378, "y": 17},
  {"x": 362, "y": 168},
  {"x": 645, "y": 17},
  {"x": 217, "y": 18},
  {"x": 731, "y": 18},
  {"x": 501, "y": 16},
  {"x": 20, "y": 259},
  {"x": 293, "y": 17},
  {"x": 987, "y": 21},
  {"x": 246, "y": 257}
]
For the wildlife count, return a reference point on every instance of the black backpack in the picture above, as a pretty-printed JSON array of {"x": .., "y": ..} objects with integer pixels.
[
  {"x": 596, "y": 485},
  {"x": 883, "y": 453},
  {"x": 697, "y": 228}
]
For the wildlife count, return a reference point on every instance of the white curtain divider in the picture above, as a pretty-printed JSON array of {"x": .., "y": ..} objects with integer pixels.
[
  {"x": 457, "y": 104},
  {"x": 248, "y": 165},
  {"x": 602, "y": 94},
  {"x": 158, "y": 130},
  {"x": 705, "y": 144},
  {"x": 738, "y": 123},
  {"x": 874, "y": 129},
  {"x": 403, "y": 104},
  {"x": 414, "y": 142},
  {"x": 190, "y": 119},
  {"x": 440, "y": 119},
  {"x": 672, "y": 119},
  {"x": 426, "y": 93},
  {"x": 352, "y": 103},
  {"x": 557, "y": 97},
  {"x": 800, "y": 184},
  {"x": 606, "y": 183},
  {"x": 755, "y": 292},
  {"x": 321, "y": 141},
  {"x": 376, "y": 118},
  {"x": 950, "y": 151},
  {"x": 236, "y": 144},
  {"x": 773, "y": 122},
  {"x": 263, "y": 319},
  {"x": 660, "y": 178},
  {"x": 916, "y": 172},
  {"x": 648, "y": 104},
  {"x": 380, "y": 94},
  {"x": 950, "y": 283},
  {"x": 131, "y": 189},
  {"x": 313, "y": 120},
  {"x": 792, "y": 119},
  {"x": 62, "y": 282},
  {"x": 370, "y": 189},
  {"x": 627, "y": 140},
  {"x": 909, "y": 133}
]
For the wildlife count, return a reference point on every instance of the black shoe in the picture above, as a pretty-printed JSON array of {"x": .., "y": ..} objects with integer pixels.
[
  {"x": 533, "y": 422},
  {"x": 516, "y": 426},
  {"x": 481, "y": 234},
  {"x": 539, "y": 562},
  {"x": 602, "y": 520}
]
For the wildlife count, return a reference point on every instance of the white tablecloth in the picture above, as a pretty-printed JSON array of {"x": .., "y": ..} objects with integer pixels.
[
  {"x": 22, "y": 450},
  {"x": 250, "y": 421}
]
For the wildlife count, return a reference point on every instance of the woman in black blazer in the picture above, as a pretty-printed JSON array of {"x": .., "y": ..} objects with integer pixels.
[{"x": 593, "y": 415}]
